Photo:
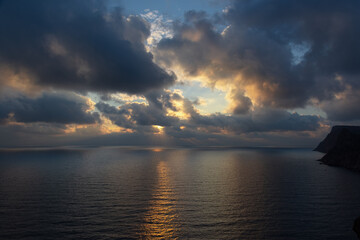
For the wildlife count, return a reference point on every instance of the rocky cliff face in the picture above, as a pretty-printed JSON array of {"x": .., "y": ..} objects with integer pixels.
[{"x": 342, "y": 147}]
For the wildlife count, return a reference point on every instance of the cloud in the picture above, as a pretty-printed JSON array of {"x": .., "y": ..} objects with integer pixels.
[
  {"x": 78, "y": 45},
  {"x": 240, "y": 104},
  {"x": 63, "y": 118},
  {"x": 260, "y": 120},
  {"x": 239, "y": 59},
  {"x": 160, "y": 27},
  {"x": 161, "y": 104},
  {"x": 135, "y": 115},
  {"x": 345, "y": 106},
  {"x": 329, "y": 27},
  {"x": 268, "y": 56},
  {"x": 278, "y": 54},
  {"x": 57, "y": 108}
]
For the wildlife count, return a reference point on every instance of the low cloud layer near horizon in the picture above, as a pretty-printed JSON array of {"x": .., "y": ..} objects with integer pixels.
[{"x": 78, "y": 72}]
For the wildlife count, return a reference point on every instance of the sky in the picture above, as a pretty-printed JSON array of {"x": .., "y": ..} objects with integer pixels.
[{"x": 249, "y": 73}]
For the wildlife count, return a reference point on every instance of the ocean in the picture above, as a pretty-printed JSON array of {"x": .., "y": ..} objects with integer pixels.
[{"x": 155, "y": 193}]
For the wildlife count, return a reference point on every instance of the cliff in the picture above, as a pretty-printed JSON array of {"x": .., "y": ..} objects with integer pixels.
[
  {"x": 342, "y": 147},
  {"x": 356, "y": 227}
]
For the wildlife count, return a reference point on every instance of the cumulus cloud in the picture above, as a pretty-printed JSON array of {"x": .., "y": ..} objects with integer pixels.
[
  {"x": 162, "y": 104},
  {"x": 132, "y": 115},
  {"x": 261, "y": 120},
  {"x": 257, "y": 120},
  {"x": 77, "y": 45},
  {"x": 57, "y": 108},
  {"x": 345, "y": 106},
  {"x": 269, "y": 57},
  {"x": 160, "y": 27},
  {"x": 240, "y": 104},
  {"x": 241, "y": 59},
  {"x": 278, "y": 54},
  {"x": 166, "y": 118}
]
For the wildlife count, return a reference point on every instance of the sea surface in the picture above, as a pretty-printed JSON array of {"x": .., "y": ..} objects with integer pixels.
[{"x": 130, "y": 193}]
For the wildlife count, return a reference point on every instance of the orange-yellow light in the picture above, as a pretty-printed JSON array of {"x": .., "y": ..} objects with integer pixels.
[{"x": 158, "y": 129}]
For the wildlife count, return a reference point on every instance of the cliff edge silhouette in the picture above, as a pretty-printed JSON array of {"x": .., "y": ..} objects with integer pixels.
[{"x": 342, "y": 147}]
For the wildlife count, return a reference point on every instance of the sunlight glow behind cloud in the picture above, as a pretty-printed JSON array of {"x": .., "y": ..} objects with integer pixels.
[{"x": 226, "y": 73}]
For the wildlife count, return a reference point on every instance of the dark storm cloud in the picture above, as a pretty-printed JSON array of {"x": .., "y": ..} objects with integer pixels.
[
  {"x": 78, "y": 45},
  {"x": 237, "y": 53},
  {"x": 287, "y": 52},
  {"x": 343, "y": 109},
  {"x": 64, "y": 108},
  {"x": 260, "y": 120},
  {"x": 329, "y": 26}
]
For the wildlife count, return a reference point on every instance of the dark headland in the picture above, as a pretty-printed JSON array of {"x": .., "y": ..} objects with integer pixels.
[
  {"x": 356, "y": 227},
  {"x": 342, "y": 147}
]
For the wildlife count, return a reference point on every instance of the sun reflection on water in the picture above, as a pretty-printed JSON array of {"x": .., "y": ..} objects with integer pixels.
[{"x": 161, "y": 219}]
